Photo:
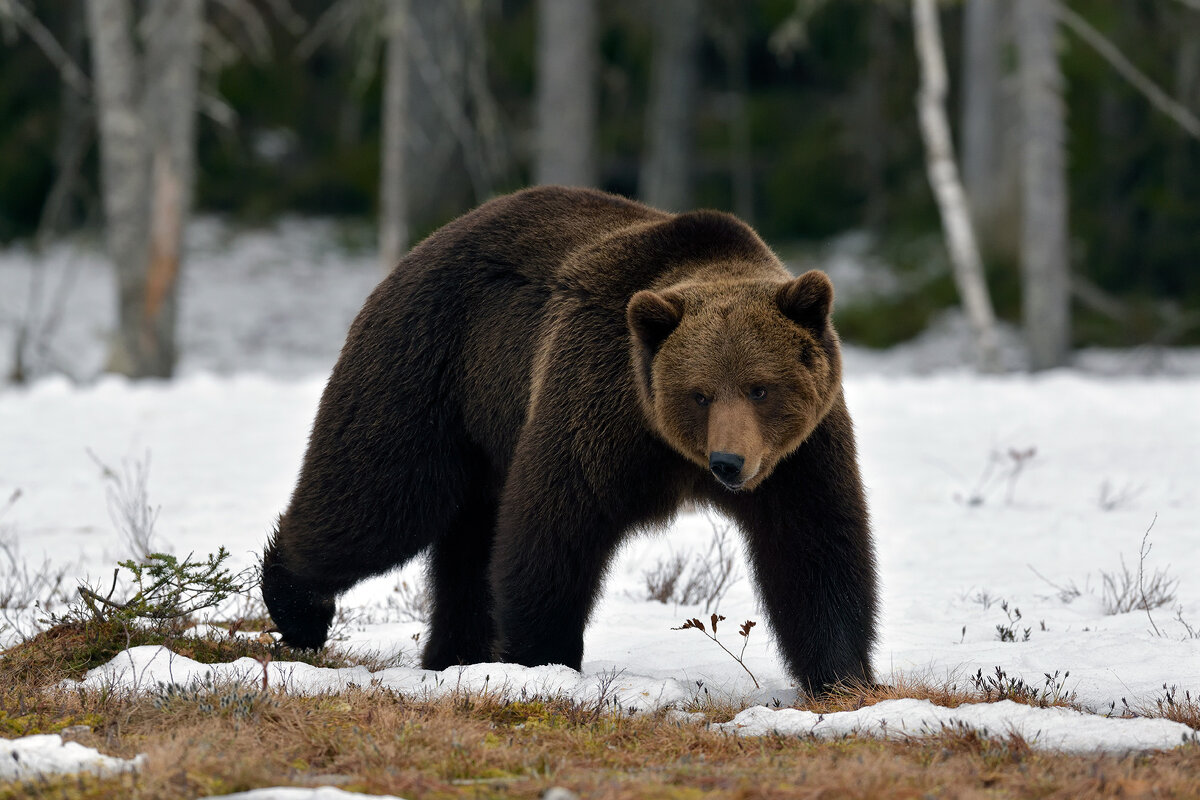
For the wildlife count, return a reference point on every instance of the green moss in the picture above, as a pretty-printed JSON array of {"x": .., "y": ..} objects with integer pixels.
[{"x": 39, "y": 722}]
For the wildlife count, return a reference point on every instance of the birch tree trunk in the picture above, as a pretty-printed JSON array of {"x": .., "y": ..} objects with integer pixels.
[
  {"x": 674, "y": 82},
  {"x": 947, "y": 188},
  {"x": 393, "y": 197},
  {"x": 1045, "y": 267},
  {"x": 566, "y": 93},
  {"x": 146, "y": 100}
]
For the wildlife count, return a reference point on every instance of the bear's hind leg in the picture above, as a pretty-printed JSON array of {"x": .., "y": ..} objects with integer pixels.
[
  {"x": 460, "y": 623},
  {"x": 350, "y": 521},
  {"x": 301, "y": 611}
]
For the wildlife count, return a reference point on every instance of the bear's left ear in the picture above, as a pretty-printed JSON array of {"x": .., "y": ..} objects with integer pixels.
[
  {"x": 652, "y": 317},
  {"x": 807, "y": 300}
]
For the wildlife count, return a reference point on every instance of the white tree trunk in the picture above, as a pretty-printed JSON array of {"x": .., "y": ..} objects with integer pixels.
[
  {"x": 666, "y": 172},
  {"x": 566, "y": 92},
  {"x": 1045, "y": 266},
  {"x": 146, "y": 118},
  {"x": 393, "y": 197},
  {"x": 947, "y": 188}
]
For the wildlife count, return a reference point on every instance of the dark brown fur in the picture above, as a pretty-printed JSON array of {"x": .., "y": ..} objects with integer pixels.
[{"x": 521, "y": 393}]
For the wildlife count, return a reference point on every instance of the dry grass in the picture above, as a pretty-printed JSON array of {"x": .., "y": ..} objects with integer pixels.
[
  {"x": 228, "y": 738},
  {"x": 473, "y": 746}
]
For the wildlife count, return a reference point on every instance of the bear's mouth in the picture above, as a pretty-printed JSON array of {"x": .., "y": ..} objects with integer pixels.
[{"x": 735, "y": 486}]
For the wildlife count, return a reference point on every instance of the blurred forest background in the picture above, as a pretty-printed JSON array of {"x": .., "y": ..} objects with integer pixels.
[{"x": 800, "y": 116}]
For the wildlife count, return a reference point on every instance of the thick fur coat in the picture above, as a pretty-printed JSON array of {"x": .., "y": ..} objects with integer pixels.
[{"x": 551, "y": 372}]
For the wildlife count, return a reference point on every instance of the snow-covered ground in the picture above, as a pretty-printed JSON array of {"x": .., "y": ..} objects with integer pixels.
[
  {"x": 988, "y": 495},
  {"x": 31, "y": 757}
]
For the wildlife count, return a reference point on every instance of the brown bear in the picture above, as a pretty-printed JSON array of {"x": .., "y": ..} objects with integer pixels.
[{"x": 545, "y": 375}]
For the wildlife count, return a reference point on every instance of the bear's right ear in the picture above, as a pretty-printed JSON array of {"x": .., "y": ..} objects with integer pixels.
[
  {"x": 652, "y": 317},
  {"x": 807, "y": 300}
]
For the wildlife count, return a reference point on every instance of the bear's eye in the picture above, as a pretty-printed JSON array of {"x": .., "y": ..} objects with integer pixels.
[
  {"x": 700, "y": 399},
  {"x": 758, "y": 393}
]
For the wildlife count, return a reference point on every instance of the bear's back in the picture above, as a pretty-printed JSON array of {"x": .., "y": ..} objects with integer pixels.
[{"x": 532, "y": 232}]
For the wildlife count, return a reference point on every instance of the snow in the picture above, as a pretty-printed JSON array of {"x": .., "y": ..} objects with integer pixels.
[
  {"x": 963, "y": 526},
  {"x": 33, "y": 757},
  {"x": 298, "y": 793},
  {"x": 1042, "y": 728},
  {"x": 147, "y": 667}
]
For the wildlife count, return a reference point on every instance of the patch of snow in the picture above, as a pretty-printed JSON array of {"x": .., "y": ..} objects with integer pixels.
[
  {"x": 1043, "y": 728},
  {"x": 149, "y": 667},
  {"x": 299, "y": 793},
  {"x": 32, "y": 757}
]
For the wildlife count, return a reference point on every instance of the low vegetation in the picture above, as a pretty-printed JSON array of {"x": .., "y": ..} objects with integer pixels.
[
  {"x": 471, "y": 745},
  {"x": 217, "y": 737}
]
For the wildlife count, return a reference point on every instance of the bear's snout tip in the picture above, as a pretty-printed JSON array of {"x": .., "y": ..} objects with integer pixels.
[{"x": 727, "y": 467}]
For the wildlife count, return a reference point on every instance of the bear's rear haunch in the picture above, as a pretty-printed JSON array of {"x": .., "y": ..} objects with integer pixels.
[{"x": 551, "y": 372}]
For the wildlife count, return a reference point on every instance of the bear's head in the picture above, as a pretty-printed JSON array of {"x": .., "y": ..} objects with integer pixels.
[{"x": 735, "y": 374}]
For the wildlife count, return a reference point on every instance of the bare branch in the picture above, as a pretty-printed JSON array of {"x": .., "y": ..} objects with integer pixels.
[
  {"x": 287, "y": 16},
  {"x": 1109, "y": 52},
  {"x": 41, "y": 35},
  {"x": 334, "y": 23},
  {"x": 947, "y": 186},
  {"x": 253, "y": 25},
  {"x": 1144, "y": 551},
  {"x": 450, "y": 104},
  {"x": 216, "y": 109}
]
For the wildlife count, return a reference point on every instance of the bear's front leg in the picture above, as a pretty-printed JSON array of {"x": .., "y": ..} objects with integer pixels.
[
  {"x": 810, "y": 548},
  {"x": 553, "y": 543}
]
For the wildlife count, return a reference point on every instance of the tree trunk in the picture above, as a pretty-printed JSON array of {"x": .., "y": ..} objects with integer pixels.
[
  {"x": 147, "y": 105},
  {"x": 393, "y": 199},
  {"x": 981, "y": 105},
  {"x": 566, "y": 92},
  {"x": 1045, "y": 267},
  {"x": 674, "y": 83},
  {"x": 947, "y": 188}
]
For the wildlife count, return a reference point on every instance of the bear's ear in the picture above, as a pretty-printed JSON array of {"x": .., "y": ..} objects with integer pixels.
[
  {"x": 807, "y": 300},
  {"x": 652, "y": 317}
]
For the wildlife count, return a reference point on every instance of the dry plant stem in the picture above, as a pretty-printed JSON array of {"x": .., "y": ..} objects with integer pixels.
[
  {"x": 1144, "y": 551},
  {"x": 744, "y": 631}
]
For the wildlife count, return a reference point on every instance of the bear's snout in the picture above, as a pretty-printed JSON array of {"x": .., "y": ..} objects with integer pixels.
[{"x": 727, "y": 467}]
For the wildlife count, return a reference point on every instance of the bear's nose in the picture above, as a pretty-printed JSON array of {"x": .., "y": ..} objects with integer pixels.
[{"x": 727, "y": 467}]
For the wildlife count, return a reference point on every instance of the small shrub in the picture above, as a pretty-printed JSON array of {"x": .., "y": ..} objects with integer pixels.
[
  {"x": 234, "y": 700},
  {"x": 711, "y": 576},
  {"x": 167, "y": 590},
  {"x": 1185, "y": 709},
  {"x": 1000, "y": 686},
  {"x": 410, "y": 602},
  {"x": 1113, "y": 497},
  {"x": 1121, "y": 592},
  {"x": 128, "y": 504},
  {"x": 662, "y": 581},
  {"x": 1004, "y": 468},
  {"x": 1011, "y": 632}
]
